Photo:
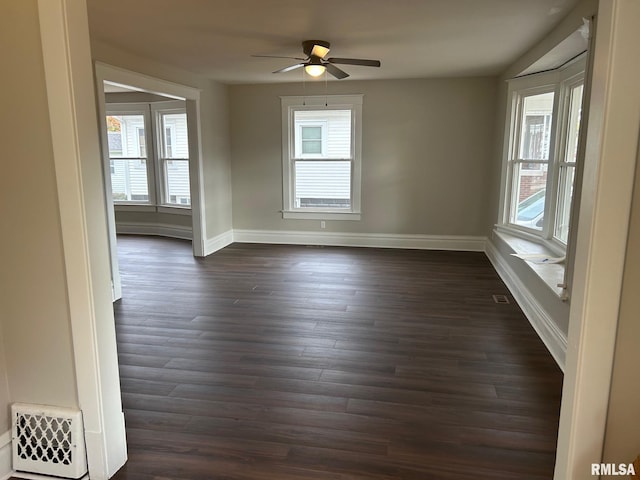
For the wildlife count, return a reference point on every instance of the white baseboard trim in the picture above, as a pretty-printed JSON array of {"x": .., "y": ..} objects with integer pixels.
[
  {"x": 212, "y": 245},
  {"x": 380, "y": 240},
  {"x": 159, "y": 229},
  {"x": 554, "y": 339},
  {"x": 6, "y": 455}
]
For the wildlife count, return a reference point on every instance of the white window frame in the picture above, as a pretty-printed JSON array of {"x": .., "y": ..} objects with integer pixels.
[
  {"x": 559, "y": 82},
  {"x": 154, "y": 159},
  {"x": 114, "y": 109},
  {"x": 159, "y": 109},
  {"x": 568, "y": 83},
  {"x": 291, "y": 104}
]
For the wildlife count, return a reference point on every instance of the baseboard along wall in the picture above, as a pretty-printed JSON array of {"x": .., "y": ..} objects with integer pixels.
[
  {"x": 157, "y": 229},
  {"x": 554, "y": 339}
]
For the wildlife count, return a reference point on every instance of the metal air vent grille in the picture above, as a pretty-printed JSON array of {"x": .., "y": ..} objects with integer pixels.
[{"x": 48, "y": 440}]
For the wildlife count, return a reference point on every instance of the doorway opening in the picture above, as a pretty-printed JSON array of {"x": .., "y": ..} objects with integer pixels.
[{"x": 149, "y": 130}]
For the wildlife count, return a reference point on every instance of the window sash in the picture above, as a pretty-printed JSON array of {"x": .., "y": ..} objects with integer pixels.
[
  {"x": 173, "y": 179},
  {"x": 175, "y": 175},
  {"x": 316, "y": 189},
  {"x": 137, "y": 168},
  {"x": 518, "y": 212}
]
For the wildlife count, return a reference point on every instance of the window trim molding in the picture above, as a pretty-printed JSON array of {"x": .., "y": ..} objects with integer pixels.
[
  {"x": 158, "y": 109},
  {"x": 290, "y": 104}
]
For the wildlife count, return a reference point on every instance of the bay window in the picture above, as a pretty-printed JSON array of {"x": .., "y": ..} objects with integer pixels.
[
  {"x": 540, "y": 154},
  {"x": 148, "y": 154}
]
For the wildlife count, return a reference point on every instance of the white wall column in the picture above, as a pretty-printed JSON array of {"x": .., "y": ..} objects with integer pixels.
[
  {"x": 70, "y": 89},
  {"x": 610, "y": 161}
]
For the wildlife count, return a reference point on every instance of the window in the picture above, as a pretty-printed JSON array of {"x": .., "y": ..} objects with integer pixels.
[
  {"x": 174, "y": 156},
  {"x": 143, "y": 171},
  {"x": 127, "y": 156},
  {"x": 541, "y": 155},
  {"x": 321, "y": 157},
  {"x": 567, "y": 163}
]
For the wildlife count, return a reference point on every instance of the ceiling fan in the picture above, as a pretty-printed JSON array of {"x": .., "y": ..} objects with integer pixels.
[{"x": 315, "y": 63}]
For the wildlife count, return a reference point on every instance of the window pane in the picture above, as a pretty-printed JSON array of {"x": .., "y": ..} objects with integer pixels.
[
  {"x": 573, "y": 129},
  {"x": 125, "y": 136},
  {"x": 565, "y": 194},
  {"x": 567, "y": 170},
  {"x": 177, "y": 182},
  {"x": 175, "y": 142},
  {"x": 535, "y": 135},
  {"x": 129, "y": 180},
  {"x": 311, "y": 133},
  {"x": 142, "y": 146},
  {"x": 322, "y": 184},
  {"x": 530, "y": 190},
  {"x": 322, "y": 133}
]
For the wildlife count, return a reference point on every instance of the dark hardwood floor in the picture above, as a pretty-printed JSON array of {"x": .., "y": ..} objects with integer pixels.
[{"x": 286, "y": 362}]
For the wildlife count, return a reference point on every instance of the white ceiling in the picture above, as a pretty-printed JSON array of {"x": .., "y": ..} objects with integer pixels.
[{"x": 412, "y": 38}]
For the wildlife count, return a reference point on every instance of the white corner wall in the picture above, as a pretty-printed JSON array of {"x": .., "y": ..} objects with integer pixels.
[
  {"x": 82, "y": 216},
  {"x": 610, "y": 164}
]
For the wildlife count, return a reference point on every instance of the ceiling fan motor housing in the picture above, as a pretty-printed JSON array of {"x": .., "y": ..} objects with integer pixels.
[{"x": 307, "y": 46}]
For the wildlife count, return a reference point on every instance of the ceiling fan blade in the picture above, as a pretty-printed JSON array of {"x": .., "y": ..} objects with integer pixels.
[
  {"x": 289, "y": 68},
  {"x": 335, "y": 71},
  {"x": 277, "y": 56},
  {"x": 355, "y": 61}
]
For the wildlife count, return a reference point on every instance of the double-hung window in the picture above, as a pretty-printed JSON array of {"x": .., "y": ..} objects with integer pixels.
[
  {"x": 321, "y": 143},
  {"x": 173, "y": 155},
  {"x": 541, "y": 149},
  {"x": 149, "y": 154},
  {"x": 129, "y": 164}
]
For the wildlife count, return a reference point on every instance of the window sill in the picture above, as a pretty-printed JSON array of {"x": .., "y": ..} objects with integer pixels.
[
  {"x": 125, "y": 207},
  {"x": 298, "y": 215},
  {"x": 552, "y": 274},
  {"x": 175, "y": 210},
  {"x": 134, "y": 207}
]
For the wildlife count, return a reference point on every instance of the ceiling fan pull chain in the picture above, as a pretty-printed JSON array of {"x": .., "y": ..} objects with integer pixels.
[
  {"x": 326, "y": 90},
  {"x": 304, "y": 90}
]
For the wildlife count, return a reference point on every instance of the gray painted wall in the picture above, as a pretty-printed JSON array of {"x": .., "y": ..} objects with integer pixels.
[
  {"x": 426, "y": 151},
  {"x": 214, "y": 137},
  {"x": 38, "y": 364},
  {"x": 622, "y": 440}
]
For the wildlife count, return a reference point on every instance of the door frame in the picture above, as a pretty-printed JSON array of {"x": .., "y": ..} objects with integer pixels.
[{"x": 145, "y": 83}]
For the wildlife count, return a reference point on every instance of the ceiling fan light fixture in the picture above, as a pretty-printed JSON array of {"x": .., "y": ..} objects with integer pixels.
[{"x": 315, "y": 70}]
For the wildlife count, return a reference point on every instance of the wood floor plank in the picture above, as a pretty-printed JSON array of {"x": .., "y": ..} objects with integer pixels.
[{"x": 265, "y": 362}]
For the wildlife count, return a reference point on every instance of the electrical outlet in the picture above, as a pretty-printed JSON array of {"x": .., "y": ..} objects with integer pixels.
[{"x": 322, "y": 224}]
